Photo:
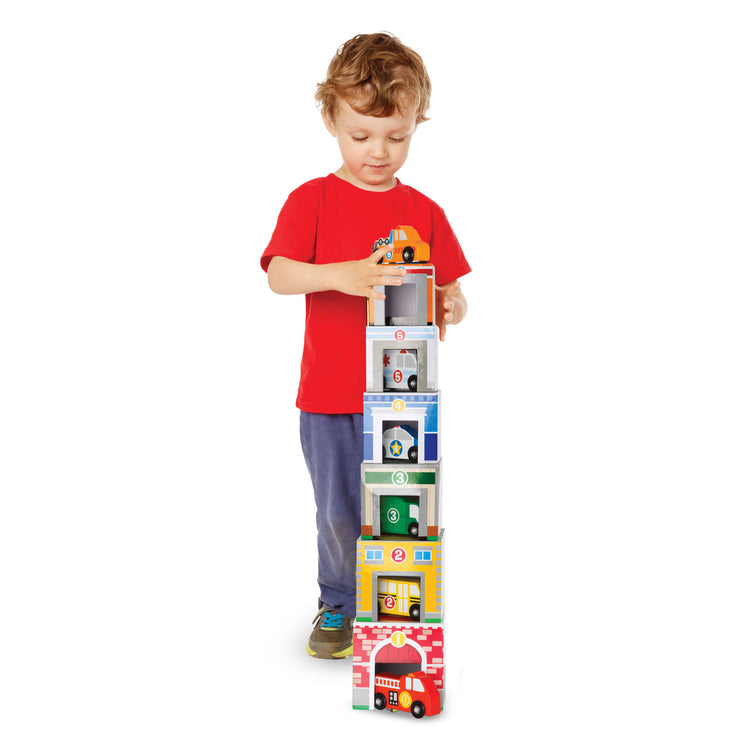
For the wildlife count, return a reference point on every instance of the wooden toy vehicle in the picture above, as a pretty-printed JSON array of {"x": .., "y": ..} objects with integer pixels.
[
  {"x": 400, "y": 597},
  {"x": 399, "y": 370},
  {"x": 414, "y": 692},
  {"x": 399, "y": 515},
  {"x": 408, "y": 246},
  {"x": 400, "y": 444}
]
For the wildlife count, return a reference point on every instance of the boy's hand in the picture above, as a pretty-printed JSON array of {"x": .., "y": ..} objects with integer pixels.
[
  {"x": 360, "y": 277},
  {"x": 450, "y": 306},
  {"x": 357, "y": 277}
]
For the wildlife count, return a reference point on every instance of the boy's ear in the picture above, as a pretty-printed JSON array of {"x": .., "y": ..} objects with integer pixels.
[{"x": 330, "y": 127}]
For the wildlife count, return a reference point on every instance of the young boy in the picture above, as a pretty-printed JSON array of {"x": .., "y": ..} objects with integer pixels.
[{"x": 376, "y": 93}]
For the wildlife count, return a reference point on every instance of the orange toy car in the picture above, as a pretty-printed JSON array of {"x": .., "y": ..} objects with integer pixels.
[{"x": 408, "y": 247}]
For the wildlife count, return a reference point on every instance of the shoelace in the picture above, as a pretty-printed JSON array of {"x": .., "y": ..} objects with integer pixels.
[{"x": 332, "y": 620}]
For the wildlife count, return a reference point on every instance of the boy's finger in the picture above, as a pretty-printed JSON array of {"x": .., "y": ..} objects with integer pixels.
[
  {"x": 374, "y": 294},
  {"x": 379, "y": 254},
  {"x": 450, "y": 290},
  {"x": 397, "y": 271},
  {"x": 394, "y": 280}
]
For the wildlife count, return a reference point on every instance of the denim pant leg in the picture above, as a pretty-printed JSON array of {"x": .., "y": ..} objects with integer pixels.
[{"x": 333, "y": 449}]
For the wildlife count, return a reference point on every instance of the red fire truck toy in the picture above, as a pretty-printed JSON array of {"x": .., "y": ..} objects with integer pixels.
[{"x": 415, "y": 692}]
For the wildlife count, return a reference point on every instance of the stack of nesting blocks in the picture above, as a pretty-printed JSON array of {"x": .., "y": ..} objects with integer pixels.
[{"x": 398, "y": 630}]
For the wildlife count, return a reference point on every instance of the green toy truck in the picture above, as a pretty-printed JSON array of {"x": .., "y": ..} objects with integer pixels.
[{"x": 399, "y": 515}]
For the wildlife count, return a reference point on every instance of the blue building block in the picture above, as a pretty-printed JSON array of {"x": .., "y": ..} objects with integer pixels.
[{"x": 401, "y": 428}]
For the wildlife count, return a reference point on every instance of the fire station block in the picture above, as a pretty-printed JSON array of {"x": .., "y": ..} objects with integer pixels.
[
  {"x": 410, "y": 304},
  {"x": 397, "y": 651},
  {"x": 396, "y": 499},
  {"x": 401, "y": 428},
  {"x": 399, "y": 579},
  {"x": 401, "y": 358}
]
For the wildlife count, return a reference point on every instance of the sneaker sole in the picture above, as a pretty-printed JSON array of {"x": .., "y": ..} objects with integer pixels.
[{"x": 335, "y": 655}]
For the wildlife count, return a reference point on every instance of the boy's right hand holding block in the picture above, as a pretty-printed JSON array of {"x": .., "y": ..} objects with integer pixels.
[{"x": 355, "y": 277}]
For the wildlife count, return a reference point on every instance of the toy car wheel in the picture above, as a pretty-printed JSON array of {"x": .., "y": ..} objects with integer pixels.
[
  {"x": 417, "y": 710},
  {"x": 408, "y": 254},
  {"x": 412, "y": 382},
  {"x": 414, "y": 529},
  {"x": 413, "y": 454},
  {"x": 379, "y": 701},
  {"x": 414, "y": 612}
]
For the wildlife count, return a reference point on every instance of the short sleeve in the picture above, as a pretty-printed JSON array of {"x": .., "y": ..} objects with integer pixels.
[
  {"x": 296, "y": 228},
  {"x": 446, "y": 252}
]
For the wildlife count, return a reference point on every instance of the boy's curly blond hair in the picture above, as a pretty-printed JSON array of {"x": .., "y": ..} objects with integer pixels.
[{"x": 376, "y": 74}]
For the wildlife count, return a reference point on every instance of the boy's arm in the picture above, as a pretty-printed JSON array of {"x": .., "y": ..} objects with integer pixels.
[
  {"x": 450, "y": 306},
  {"x": 356, "y": 277}
]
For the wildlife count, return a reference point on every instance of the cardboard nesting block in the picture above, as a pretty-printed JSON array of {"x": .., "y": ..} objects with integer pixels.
[
  {"x": 388, "y": 648},
  {"x": 399, "y": 580},
  {"x": 410, "y": 304},
  {"x": 399, "y": 500},
  {"x": 401, "y": 358},
  {"x": 401, "y": 428}
]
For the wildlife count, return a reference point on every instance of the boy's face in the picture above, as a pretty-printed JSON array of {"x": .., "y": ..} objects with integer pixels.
[{"x": 373, "y": 148}]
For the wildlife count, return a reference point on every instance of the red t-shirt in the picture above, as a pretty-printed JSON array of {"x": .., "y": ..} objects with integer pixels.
[{"x": 328, "y": 220}]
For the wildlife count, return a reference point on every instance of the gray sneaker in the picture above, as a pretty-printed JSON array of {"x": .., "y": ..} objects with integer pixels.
[{"x": 331, "y": 637}]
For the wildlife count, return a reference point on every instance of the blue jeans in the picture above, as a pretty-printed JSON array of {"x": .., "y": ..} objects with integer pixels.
[{"x": 333, "y": 448}]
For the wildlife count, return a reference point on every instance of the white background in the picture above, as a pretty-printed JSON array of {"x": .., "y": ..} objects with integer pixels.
[{"x": 157, "y": 561}]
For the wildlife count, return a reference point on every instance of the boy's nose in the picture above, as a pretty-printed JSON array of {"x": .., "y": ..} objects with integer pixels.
[{"x": 378, "y": 149}]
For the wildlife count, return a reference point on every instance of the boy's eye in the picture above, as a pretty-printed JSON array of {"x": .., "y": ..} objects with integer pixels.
[{"x": 363, "y": 138}]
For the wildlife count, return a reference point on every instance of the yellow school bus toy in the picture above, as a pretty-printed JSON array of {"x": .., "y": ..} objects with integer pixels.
[{"x": 399, "y": 597}]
